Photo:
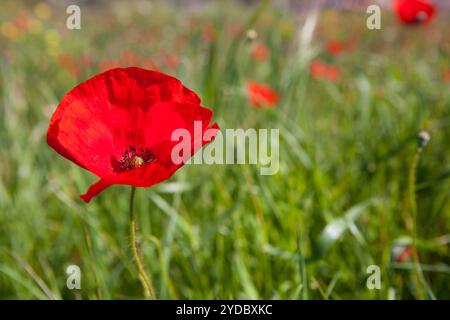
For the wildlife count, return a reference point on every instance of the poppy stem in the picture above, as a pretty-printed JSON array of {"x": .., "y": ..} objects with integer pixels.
[
  {"x": 145, "y": 280},
  {"x": 413, "y": 207}
]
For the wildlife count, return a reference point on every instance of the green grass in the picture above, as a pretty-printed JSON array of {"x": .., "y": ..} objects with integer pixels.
[{"x": 340, "y": 201}]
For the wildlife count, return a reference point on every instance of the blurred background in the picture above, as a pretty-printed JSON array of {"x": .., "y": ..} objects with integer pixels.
[{"x": 353, "y": 189}]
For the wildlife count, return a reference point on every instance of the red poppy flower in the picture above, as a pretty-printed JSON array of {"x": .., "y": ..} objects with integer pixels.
[
  {"x": 414, "y": 11},
  {"x": 335, "y": 47},
  {"x": 321, "y": 70},
  {"x": 333, "y": 73},
  {"x": 69, "y": 63},
  {"x": 118, "y": 125},
  {"x": 446, "y": 74},
  {"x": 318, "y": 69},
  {"x": 261, "y": 95},
  {"x": 23, "y": 21},
  {"x": 260, "y": 52},
  {"x": 403, "y": 254},
  {"x": 208, "y": 33}
]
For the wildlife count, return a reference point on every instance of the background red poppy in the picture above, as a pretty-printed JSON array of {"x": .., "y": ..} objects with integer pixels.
[
  {"x": 261, "y": 95},
  {"x": 414, "y": 11}
]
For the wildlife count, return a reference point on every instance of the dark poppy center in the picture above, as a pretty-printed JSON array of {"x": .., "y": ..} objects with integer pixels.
[
  {"x": 421, "y": 16},
  {"x": 133, "y": 158}
]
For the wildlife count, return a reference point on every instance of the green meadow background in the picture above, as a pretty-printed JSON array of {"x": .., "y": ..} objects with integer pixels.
[{"x": 352, "y": 189}]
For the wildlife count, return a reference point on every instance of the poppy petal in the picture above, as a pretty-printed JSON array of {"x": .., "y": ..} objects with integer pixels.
[
  {"x": 108, "y": 112},
  {"x": 95, "y": 189}
]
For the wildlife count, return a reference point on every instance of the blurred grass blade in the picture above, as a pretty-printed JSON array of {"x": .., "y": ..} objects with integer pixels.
[
  {"x": 246, "y": 281},
  {"x": 304, "y": 276},
  {"x": 30, "y": 286},
  {"x": 335, "y": 229}
]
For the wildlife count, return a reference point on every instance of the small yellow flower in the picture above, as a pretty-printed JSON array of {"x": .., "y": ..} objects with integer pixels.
[
  {"x": 52, "y": 36},
  {"x": 52, "y": 40},
  {"x": 9, "y": 30}
]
